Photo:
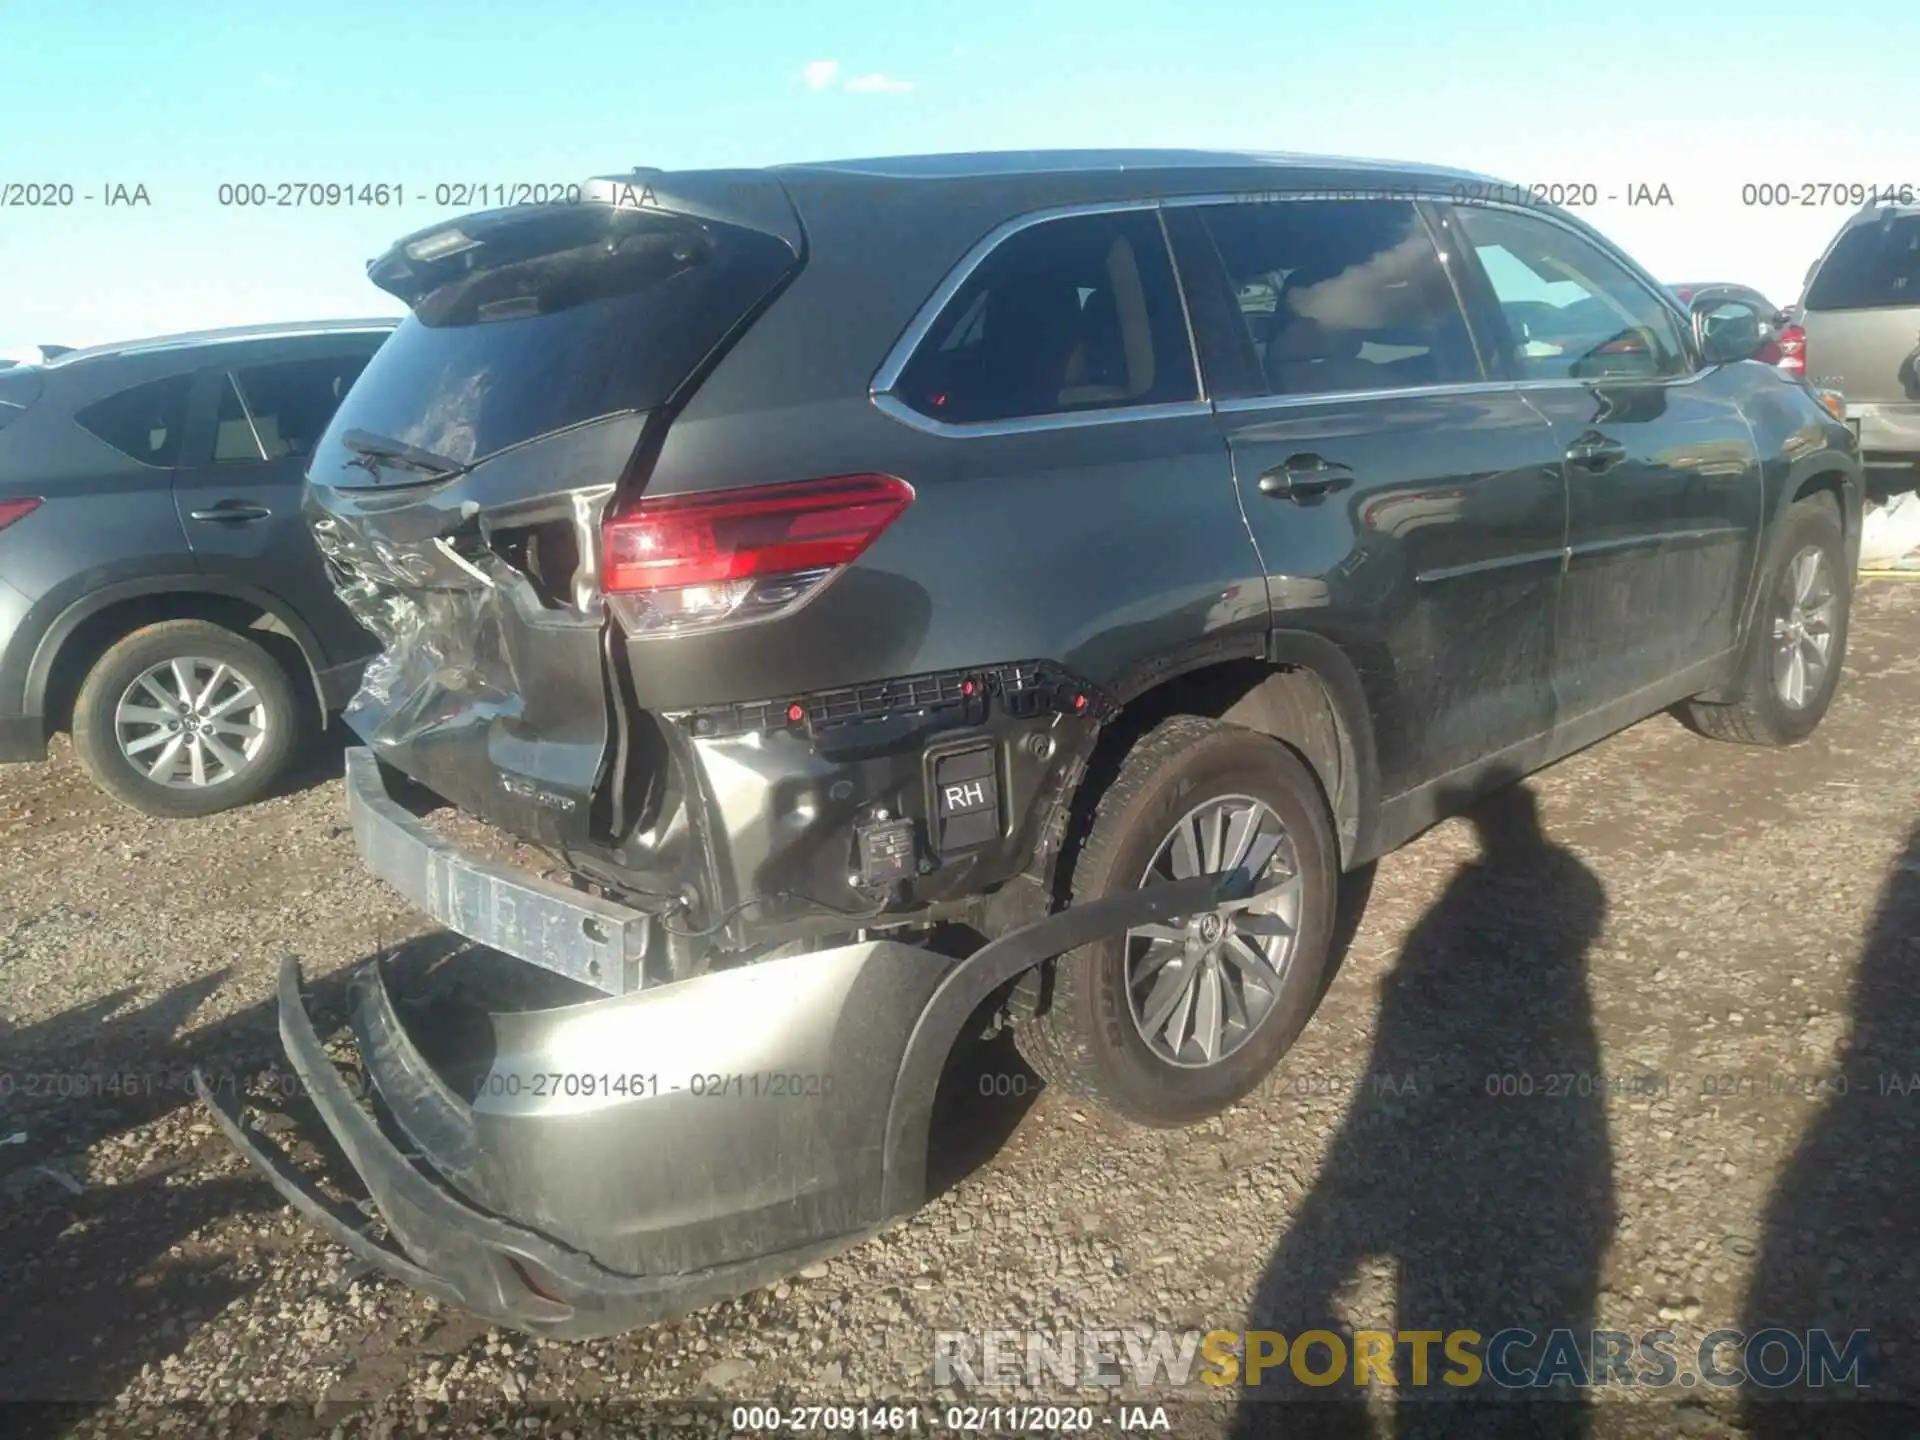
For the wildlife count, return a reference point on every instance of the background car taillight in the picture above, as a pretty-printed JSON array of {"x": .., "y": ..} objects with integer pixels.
[
  {"x": 1792, "y": 344},
  {"x": 678, "y": 563},
  {"x": 12, "y": 510}
]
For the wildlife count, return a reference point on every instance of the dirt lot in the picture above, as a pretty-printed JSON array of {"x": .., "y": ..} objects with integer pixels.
[{"x": 1694, "y": 968}]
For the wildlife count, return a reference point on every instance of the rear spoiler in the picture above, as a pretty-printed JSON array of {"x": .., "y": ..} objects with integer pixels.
[{"x": 428, "y": 258}]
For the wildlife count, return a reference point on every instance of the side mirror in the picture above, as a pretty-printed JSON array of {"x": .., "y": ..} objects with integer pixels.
[{"x": 1727, "y": 328}]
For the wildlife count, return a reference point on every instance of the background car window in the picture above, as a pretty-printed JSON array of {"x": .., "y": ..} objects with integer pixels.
[
  {"x": 1342, "y": 295},
  {"x": 270, "y": 412},
  {"x": 1571, "y": 312},
  {"x": 1075, "y": 314},
  {"x": 1870, "y": 265},
  {"x": 143, "y": 422}
]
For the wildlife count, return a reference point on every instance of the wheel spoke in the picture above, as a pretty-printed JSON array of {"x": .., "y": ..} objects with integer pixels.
[
  {"x": 1261, "y": 852},
  {"x": 1246, "y": 825},
  {"x": 1206, "y": 1011},
  {"x": 183, "y": 682},
  {"x": 162, "y": 767},
  {"x": 1262, "y": 923},
  {"x": 1252, "y": 953},
  {"x": 246, "y": 696},
  {"x": 1161, "y": 932},
  {"x": 1158, "y": 953},
  {"x": 168, "y": 703},
  {"x": 205, "y": 697},
  {"x": 237, "y": 728},
  {"x": 230, "y": 758},
  {"x": 197, "y": 760},
  {"x": 147, "y": 741},
  {"x": 131, "y": 714},
  {"x": 1168, "y": 991},
  {"x": 1184, "y": 854}
]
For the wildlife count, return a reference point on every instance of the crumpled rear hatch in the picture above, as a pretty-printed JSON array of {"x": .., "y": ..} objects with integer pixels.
[{"x": 459, "y": 491}]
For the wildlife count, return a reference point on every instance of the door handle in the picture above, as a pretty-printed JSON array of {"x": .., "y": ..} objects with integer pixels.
[
  {"x": 228, "y": 512},
  {"x": 1305, "y": 477},
  {"x": 1596, "y": 452}
]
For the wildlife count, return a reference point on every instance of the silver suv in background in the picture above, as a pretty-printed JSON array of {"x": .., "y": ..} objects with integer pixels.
[{"x": 1857, "y": 325}]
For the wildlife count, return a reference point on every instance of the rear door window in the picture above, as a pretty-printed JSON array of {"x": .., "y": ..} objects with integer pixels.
[
  {"x": 143, "y": 422},
  {"x": 1339, "y": 295},
  {"x": 279, "y": 411},
  {"x": 1076, "y": 314},
  {"x": 565, "y": 316},
  {"x": 1871, "y": 265}
]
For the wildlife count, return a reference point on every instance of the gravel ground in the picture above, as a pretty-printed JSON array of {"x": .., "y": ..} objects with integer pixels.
[{"x": 1734, "y": 928}]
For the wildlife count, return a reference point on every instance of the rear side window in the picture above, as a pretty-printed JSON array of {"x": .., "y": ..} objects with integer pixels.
[
  {"x": 144, "y": 422},
  {"x": 577, "y": 312},
  {"x": 1076, "y": 314},
  {"x": 1870, "y": 265},
  {"x": 274, "y": 412},
  {"x": 1341, "y": 295}
]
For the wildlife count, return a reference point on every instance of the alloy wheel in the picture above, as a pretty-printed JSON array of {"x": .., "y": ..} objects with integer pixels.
[
  {"x": 190, "y": 722},
  {"x": 1803, "y": 629},
  {"x": 1200, "y": 987}
]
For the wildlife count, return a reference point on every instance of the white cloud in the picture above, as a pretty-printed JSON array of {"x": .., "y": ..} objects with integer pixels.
[
  {"x": 877, "y": 84},
  {"x": 819, "y": 74}
]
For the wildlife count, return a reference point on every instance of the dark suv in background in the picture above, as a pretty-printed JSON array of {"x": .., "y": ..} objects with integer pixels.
[
  {"x": 1003, "y": 588},
  {"x": 1856, "y": 329},
  {"x": 159, "y": 591}
]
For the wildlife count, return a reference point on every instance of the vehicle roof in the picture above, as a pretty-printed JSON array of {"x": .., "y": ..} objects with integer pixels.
[
  {"x": 192, "y": 339},
  {"x": 1003, "y": 163}
]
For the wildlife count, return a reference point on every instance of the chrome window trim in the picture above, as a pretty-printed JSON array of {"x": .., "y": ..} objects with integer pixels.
[
  {"x": 895, "y": 408},
  {"x": 318, "y": 330},
  {"x": 880, "y": 389},
  {"x": 1247, "y": 404}
]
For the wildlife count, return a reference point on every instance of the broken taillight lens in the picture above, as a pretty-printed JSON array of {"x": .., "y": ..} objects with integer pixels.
[{"x": 699, "y": 562}]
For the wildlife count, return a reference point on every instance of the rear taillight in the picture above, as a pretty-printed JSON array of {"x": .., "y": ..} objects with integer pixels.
[
  {"x": 702, "y": 562},
  {"x": 1792, "y": 344},
  {"x": 12, "y": 510}
]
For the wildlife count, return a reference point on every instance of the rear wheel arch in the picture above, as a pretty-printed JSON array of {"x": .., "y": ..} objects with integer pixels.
[
  {"x": 1299, "y": 689},
  {"x": 90, "y": 626}
]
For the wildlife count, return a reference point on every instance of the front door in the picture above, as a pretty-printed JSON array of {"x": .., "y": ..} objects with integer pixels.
[{"x": 1664, "y": 491}]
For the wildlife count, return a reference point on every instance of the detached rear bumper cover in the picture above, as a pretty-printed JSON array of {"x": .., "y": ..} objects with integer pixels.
[{"x": 627, "y": 1159}]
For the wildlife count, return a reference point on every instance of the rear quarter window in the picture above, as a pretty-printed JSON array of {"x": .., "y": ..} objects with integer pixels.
[
  {"x": 1871, "y": 265},
  {"x": 1074, "y": 314},
  {"x": 143, "y": 422}
]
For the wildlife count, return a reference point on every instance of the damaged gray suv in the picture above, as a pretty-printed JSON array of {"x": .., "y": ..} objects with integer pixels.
[{"x": 914, "y": 595}]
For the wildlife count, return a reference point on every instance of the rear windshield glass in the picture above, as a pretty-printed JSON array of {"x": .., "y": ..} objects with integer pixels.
[
  {"x": 19, "y": 388},
  {"x": 576, "y": 314},
  {"x": 1871, "y": 265}
]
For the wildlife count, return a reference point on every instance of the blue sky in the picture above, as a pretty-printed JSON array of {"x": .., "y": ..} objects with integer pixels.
[{"x": 179, "y": 98}]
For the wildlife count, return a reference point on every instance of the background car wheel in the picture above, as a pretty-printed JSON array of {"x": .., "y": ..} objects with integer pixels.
[
  {"x": 1793, "y": 659},
  {"x": 1170, "y": 1024},
  {"x": 185, "y": 718}
]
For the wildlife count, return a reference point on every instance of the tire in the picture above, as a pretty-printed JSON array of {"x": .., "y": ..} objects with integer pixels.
[
  {"x": 1091, "y": 1034},
  {"x": 1767, "y": 712},
  {"x": 216, "y": 659}
]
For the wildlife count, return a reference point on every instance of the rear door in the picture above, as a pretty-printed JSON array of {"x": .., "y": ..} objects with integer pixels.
[
  {"x": 1663, "y": 479},
  {"x": 238, "y": 490},
  {"x": 1861, "y": 314},
  {"x": 1403, "y": 504}
]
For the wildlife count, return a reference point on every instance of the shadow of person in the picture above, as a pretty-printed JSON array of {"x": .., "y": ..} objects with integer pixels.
[
  {"x": 1472, "y": 1173},
  {"x": 1840, "y": 1243}
]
